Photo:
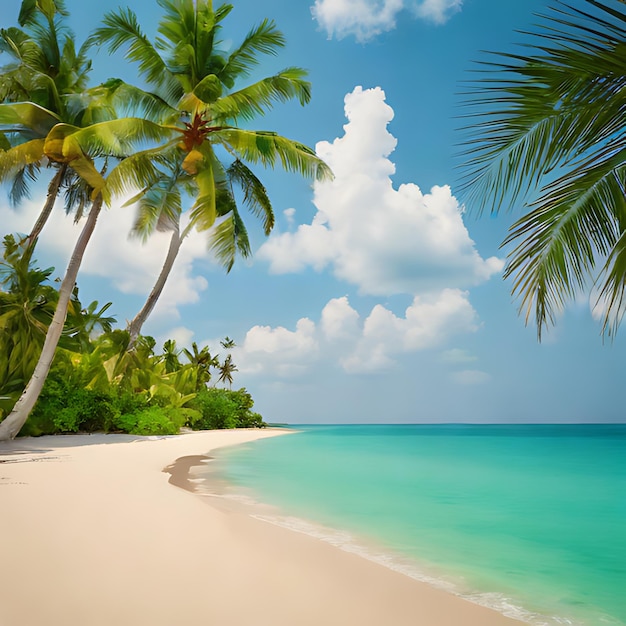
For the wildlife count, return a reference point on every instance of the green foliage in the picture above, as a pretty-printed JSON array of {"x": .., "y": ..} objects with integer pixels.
[
  {"x": 64, "y": 408},
  {"x": 546, "y": 127},
  {"x": 107, "y": 389},
  {"x": 153, "y": 420},
  {"x": 223, "y": 408},
  {"x": 50, "y": 117},
  {"x": 96, "y": 383},
  {"x": 26, "y": 309}
]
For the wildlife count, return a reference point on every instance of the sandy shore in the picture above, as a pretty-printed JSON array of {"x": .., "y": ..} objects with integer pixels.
[{"x": 92, "y": 533}]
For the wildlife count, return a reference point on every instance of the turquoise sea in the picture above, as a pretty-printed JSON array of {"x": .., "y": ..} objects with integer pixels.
[{"x": 530, "y": 520}]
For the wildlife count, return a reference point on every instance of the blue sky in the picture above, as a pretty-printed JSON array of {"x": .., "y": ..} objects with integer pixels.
[{"x": 379, "y": 297}]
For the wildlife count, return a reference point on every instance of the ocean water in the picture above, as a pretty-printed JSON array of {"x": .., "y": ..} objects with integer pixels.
[{"x": 530, "y": 520}]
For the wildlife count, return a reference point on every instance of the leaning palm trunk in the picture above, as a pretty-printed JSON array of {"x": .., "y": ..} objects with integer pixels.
[
  {"x": 13, "y": 423},
  {"x": 135, "y": 326},
  {"x": 53, "y": 192}
]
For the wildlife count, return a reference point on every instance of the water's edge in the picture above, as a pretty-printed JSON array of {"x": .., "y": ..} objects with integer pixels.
[{"x": 207, "y": 478}]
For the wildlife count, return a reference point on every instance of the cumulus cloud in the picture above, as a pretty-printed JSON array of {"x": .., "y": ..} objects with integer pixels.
[
  {"x": 364, "y": 19},
  {"x": 282, "y": 352},
  {"x": 384, "y": 240},
  {"x": 428, "y": 322},
  {"x": 357, "y": 344},
  {"x": 339, "y": 321},
  {"x": 130, "y": 265}
]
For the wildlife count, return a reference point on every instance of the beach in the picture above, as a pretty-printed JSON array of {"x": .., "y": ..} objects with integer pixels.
[{"x": 106, "y": 529}]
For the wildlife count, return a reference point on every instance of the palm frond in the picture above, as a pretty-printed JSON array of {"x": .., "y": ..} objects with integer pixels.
[
  {"x": 77, "y": 195},
  {"x": 130, "y": 100},
  {"x": 259, "y": 97},
  {"x": 577, "y": 221},
  {"x": 137, "y": 171},
  {"x": 204, "y": 210},
  {"x": 228, "y": 238},
  {"x": 263, "y": 39},
  {"x": 268, "y": 149},
  {"x": 531, "y": 113},
  {"x": 158, "y": 208},
  {"x": 19, "y": 157},
  {"x": 254, "y": 194},
  {"x": 121, "y": 136},
  {"x": 546, "y": 126},
  {"x": 29, "y": 10},
  {"x": 187, "y": 33},
  {"x": 21, "y": 182},
  {"x": 26, "y": 118},
  {"x": 122, "y": 29},
  {"x": 16, "y": 43}
]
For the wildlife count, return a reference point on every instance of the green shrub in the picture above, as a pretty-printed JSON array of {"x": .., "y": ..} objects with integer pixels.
[
  {"x": 149, "y": 421},
  {"x": 156, "y": 420},
  {"x": 64, "y": 409},
  {"x": 223, "y": 408}
]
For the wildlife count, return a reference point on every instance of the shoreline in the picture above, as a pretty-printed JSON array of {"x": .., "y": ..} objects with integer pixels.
[
  {"x": 94, "y": 534},
  {"x": 202, "y": 479}
]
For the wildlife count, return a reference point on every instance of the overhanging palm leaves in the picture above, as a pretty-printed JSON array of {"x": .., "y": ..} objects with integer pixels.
[{"x": 548, "y": 127}]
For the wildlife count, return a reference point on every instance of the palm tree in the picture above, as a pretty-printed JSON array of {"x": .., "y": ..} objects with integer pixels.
[
  {"x": 203, "y": 361},
  {"x": 193, "y": 81},
  {"x": 77, "y": 147},
  {"x": 547, "y": 128},
  {"x": 170, "y": 356},
  {"x": 84, "y": 324},
  {"x": 226, "y": 369},
  {"x": 45, "y": 69},
  {"x": 227, "y": 343}
]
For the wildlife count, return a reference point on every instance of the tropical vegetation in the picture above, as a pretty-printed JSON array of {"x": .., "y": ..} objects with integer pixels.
[
  {"x": 179, "y": 142},
  {"x": 546, "y": 129},
  {"x": 95, "y": 383}
]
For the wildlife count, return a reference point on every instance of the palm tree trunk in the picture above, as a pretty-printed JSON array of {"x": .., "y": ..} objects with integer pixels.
[
  {"x": 53, "y": 192},
  {"x": 134, "y": 327},
  {"x": 11, "y": 426}
]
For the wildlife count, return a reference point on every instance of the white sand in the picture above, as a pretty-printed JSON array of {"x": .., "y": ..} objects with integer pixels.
[{"x": 92, "y": 534}]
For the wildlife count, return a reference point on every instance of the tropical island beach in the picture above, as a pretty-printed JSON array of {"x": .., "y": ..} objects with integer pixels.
[{"x": 97, "y": 532}]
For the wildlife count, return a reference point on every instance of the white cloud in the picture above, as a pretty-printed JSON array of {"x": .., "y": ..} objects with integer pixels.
[
  {"x": 356, "y": 345},
  {"x": 278, "y": 351},
  {"x": 364, "y": 19},
  {"x": 438, "y": 11},
  {"x": 339, "y": 320},
  {"x": 428, "y": 322},
  {"x": 290, "y": 215},
  {"x": 130, "y": 265},
  {"x": 384, "y": 240}
]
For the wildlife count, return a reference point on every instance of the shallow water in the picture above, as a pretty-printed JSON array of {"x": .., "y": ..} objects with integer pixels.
[{"x": 530, "y": 520}]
